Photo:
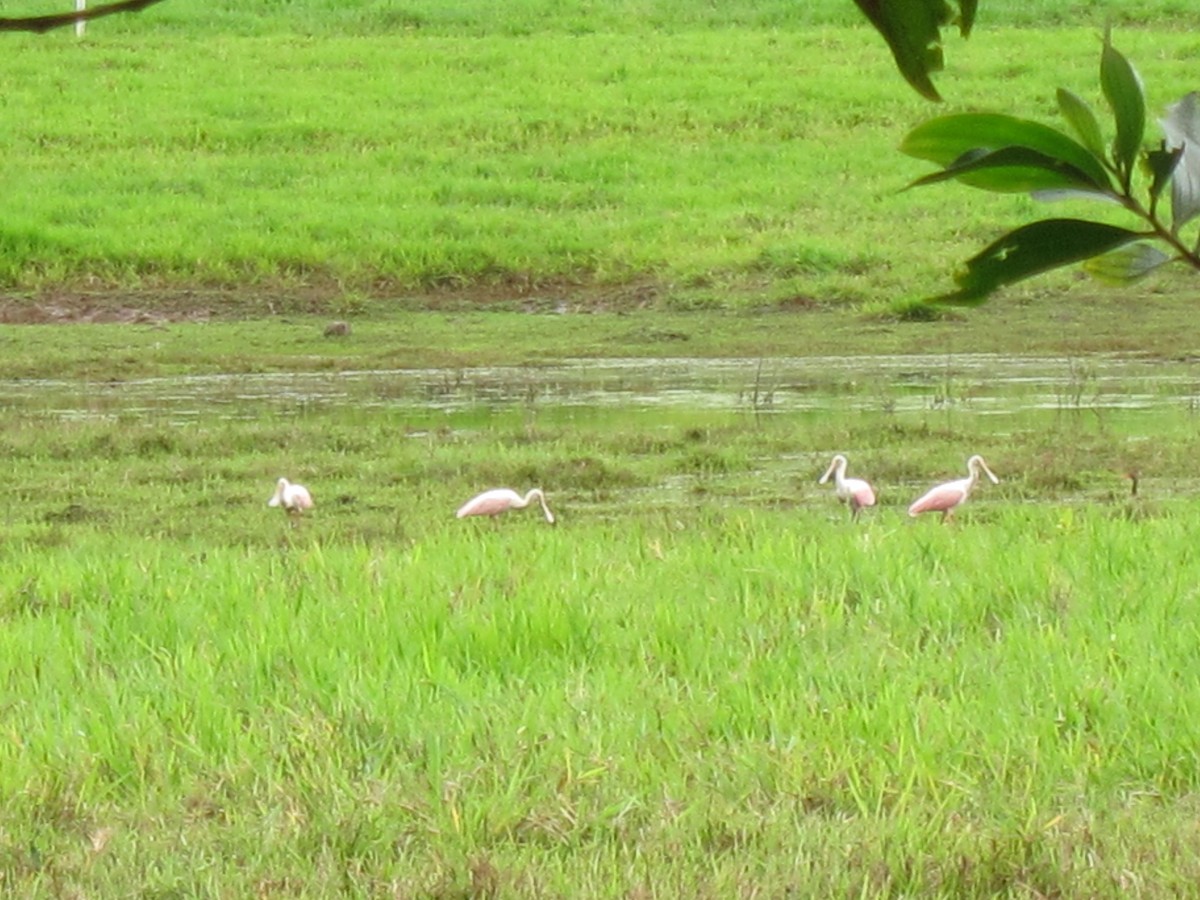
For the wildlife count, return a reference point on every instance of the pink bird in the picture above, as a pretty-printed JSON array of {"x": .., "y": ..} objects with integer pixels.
[
  {"x": 945, "y": 497},
  {"x": 294, "y": 498},
  {"x": 498, "y": 500},
  {"x": 856, "y": 492}
]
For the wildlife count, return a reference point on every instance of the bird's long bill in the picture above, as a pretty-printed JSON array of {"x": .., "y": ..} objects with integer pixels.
[
  {"x": 828, "y": 472},
  {"x": 546, "y": 510},
  {"x": 989, "y": 472}
]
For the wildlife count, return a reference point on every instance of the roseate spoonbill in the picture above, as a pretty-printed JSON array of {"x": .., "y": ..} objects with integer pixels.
[
  {"x": 295, "y": 498},
  {"x": 945, "y": 497},
  {"x": 498, "y": 500},
  {"x": 856, "y": 492}
]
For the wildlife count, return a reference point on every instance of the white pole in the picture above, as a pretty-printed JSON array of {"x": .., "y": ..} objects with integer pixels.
[{"x": 80, "y": 25}]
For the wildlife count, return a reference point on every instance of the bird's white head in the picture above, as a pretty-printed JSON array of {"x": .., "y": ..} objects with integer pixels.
[
  {"x": 537, "y": 492},
  {"x": 975, "y": 465},
  {"x": 280, "y": 486},
  {"x": 838, "y": 465}
]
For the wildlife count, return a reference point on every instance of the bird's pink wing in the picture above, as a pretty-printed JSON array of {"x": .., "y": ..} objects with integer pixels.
[
  {"x": 862, "y": 493},
  {"x": 301, "y": 498},
  {"x": 940, "y": 499},
  {"x": 487, "y": 504}
]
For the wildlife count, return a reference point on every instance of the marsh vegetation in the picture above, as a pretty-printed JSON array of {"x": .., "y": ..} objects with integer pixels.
[
  {"x": 704, "y": 680},
  {"x": 654, "y": 267}
]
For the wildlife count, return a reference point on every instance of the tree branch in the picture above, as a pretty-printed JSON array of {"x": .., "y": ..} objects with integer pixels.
[{"x": 45, "y": 23}]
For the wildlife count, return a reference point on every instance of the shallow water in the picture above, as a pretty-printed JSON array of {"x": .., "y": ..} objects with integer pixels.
[{"x": 980, "y": 383}]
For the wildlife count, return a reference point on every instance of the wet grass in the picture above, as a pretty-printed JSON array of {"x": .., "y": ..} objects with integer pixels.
[
  {"x": 449, "y": 332},
  {"x": 705, "y": 681}
]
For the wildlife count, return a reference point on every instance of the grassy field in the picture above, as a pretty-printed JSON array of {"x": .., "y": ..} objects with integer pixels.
[
  {"x": 710, "y": 704},
  {"x": 233, "y": 332},
  {"x": 715, "y": 158},
  {"x": 725, "y": 689},
  {"x": 705, "y": 681}
]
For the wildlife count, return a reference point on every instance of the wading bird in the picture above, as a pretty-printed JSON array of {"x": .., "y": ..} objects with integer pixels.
[
  {"x": 294, "y": 498},
  {"x": 498, "y": 500},
  {"x": 945, "y": 497},
  {"x": 856, "y": 492}
]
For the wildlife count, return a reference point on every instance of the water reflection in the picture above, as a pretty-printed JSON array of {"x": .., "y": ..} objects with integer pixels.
[{"x": 980, "y": 383}]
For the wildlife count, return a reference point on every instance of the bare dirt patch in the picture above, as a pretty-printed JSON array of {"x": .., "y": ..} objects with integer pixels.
[{"x": 67, "y": 305}]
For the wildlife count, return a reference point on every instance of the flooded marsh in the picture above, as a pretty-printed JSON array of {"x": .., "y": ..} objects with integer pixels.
[
  {"x": 704, "y": 674},
  {"x": 612, "y": 435},
  {"x": 980, "y": 383}
]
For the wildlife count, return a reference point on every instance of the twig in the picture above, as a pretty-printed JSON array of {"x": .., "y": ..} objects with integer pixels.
[{"x": 40, "y": 24}]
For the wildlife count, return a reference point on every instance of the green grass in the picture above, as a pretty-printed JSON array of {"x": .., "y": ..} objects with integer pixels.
[
  {"x": 133, "y": 336},
  {"x": 519, "y": 17},
  {"x": 705, "y": 681},
  {"x": 711, "y": 702},
  {"x": 743, "y": 158}
]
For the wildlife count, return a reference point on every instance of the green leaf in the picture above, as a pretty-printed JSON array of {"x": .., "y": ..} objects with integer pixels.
[
  {"x": 1079, "y": 116},
  {"x": 1014, "y": 170},
  {"x": 1126, "y": 264},
  {"x": 945, "y": 139},
  {"x": 1031, "y": 250},
  {"x": 1161, "y": 163},
  {"x": 1182, "y": 129},
  {"x": 1123, "y": 90},
  {"x": 912, "y": 29}
]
